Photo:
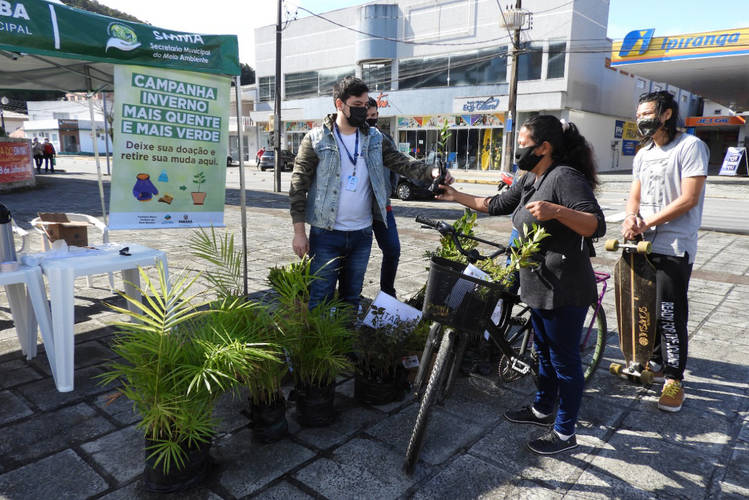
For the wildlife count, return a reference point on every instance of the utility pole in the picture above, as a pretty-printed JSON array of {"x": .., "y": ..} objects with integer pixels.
[
  {"x": 513, "y": 20},
  {"x": 277, "y": 108}
]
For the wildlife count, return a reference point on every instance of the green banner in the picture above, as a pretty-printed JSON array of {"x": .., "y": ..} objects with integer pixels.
[
  {"x": 170, "y": 145},
  {"x": 39, "y": 27}
]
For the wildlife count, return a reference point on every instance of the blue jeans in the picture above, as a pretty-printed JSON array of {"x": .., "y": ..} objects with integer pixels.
[
  {"x": 560, "y": 372},
  {"x": 349, "y": 253},
  {"x": 389, "y": 243}
]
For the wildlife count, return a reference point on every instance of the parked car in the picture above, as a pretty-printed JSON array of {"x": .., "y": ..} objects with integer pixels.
[
  {"x": 268, "y": 160},
  {"x": 410, "y": 190}
]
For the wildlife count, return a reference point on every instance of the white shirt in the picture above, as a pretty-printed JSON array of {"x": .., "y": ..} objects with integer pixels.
[{"x": 354, "y": 207}]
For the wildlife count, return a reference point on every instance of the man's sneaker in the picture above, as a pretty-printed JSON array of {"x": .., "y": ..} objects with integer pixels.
[
  {"x": 672, "y": 396},
  {"x": 550, "y": 443},
  {"x": 657, "y": 375},
  {"x": 525, "y": 415}
]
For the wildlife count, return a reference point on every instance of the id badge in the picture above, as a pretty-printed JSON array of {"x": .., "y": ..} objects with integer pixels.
[{"x": 351, "y": 183}]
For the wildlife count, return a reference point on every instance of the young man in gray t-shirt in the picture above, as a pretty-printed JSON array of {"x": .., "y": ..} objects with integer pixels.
[{"x": 665, "y": 207}]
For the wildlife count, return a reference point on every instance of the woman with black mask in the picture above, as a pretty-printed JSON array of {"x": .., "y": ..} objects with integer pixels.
[{"x": 557, "y": 194}]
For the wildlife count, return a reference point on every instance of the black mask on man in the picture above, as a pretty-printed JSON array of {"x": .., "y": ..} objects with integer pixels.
[
  {"x": 525, "y": 158},
  {"x": 357, "y": 115},
  {"x": 372, "y": 122},
  {"x": 648, "y": 126}
]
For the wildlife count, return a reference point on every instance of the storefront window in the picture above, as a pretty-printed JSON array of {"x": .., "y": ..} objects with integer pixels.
[
  {"x": 267, "y": 88},
  {"x": 529, "y": 61},
  {"x": 300, "y": 84},
  {"x": 377, "y": 76},
  {"x": 422, "y": 72},
  {"x": 329, "y": 77},
  {"x": 480, "y": 67},
  {"x": 557, "y": 53}
]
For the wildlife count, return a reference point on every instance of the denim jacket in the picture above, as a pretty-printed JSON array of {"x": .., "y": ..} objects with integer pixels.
[{"x": 316, "y": 179}]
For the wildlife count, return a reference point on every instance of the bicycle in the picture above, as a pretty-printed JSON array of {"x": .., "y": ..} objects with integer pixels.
[{"x": 463, "y": 305}]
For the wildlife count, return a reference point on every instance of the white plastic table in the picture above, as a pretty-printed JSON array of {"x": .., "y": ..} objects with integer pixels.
[
  {"x": 61, "y": 274},
  {"x": 28, "y": 305}
]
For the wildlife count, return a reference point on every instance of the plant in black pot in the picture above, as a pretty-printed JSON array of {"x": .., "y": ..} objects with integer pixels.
[
  {"x": 317, "y": 340},
  {"x": 380, "y": 347},
  {"x": 267, "y": 405},
  {"x": 177, "y": 358}
]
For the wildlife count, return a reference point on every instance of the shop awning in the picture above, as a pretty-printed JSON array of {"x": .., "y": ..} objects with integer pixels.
[
  {"x": 46, "y": 45},
  {"x": 712, "y": 64}
]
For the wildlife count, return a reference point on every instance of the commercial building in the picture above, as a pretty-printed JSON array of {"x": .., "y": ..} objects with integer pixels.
[
  {"x": 431, "y": 61},
  {"x": 67, "y": 125},
  {"x": 714, "y": 64}
]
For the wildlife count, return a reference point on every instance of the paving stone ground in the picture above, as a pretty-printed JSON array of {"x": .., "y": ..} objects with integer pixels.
[{"x": 81, "y": 444}]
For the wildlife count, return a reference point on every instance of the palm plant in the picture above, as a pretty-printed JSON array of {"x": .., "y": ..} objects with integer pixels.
[
  {"x": 178, "y": 356},
  {"x": 225, "y": 259}
]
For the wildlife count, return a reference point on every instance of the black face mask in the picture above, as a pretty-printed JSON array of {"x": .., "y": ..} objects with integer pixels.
[
  {"x": 357, "y": 116},
  {"x": 372, "y": 122},
  {"x": 525, "y": 158},
  {"x": 648, "y": 126}
]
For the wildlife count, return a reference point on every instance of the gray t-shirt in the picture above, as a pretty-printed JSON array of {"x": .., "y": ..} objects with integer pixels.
[{"x": 660, "y": 171}]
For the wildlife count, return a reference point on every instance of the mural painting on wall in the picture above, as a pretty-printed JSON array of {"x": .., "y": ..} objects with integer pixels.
[
  {"x": 300, "y": 126},
  {"x": 494, "y": 120}
]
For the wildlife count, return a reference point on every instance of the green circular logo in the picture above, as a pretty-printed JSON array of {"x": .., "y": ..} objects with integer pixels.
[{"x": 122, "y": 32}]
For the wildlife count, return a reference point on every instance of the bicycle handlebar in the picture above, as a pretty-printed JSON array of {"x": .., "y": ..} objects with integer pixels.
[{"x": 472, "y": 255}]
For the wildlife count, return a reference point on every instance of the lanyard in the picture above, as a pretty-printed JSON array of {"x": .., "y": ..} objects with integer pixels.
[{"x": 356, "y": 147}]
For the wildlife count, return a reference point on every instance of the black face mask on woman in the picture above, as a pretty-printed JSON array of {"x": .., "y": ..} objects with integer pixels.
[
  {"x": 357, "y": 116},
  {"x": 372, "y": 122},
  {"x": 525, "y": 158}
]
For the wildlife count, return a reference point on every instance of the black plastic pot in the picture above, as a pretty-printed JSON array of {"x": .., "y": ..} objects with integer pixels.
[
  {"x": 194, "y": 471},
  {"x": 314, "y": 405},
  {"x": 376, "y": 391},
  {"x": 268, "y": 420}
]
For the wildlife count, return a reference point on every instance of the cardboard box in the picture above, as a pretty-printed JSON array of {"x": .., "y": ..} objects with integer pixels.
[{"x": 58, "y": 227}]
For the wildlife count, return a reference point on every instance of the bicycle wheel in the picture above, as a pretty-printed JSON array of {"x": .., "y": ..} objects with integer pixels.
[
  {"x": 453, "y": 364},
  {"x": 433, "y": 340},
  {"x": 439, "y": 372},
  {"x": 593, "y": 341}
]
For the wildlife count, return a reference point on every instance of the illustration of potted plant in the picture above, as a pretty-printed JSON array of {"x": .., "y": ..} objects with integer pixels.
[{"x": 198, "y": 197}]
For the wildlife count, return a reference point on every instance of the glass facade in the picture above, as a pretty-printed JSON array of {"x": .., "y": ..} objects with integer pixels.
[
  {"x": 422, "y": 72},
  {"x": 266, "y": 88},
  {"x": 529, "y": 61},
  {"x": 480, "y": 67},
  {"x": 377, "y": 76},
  {"x": 557, "y": 55},
  {"x": 300, "y": 84},
  {"x": 326, "y": 78}
]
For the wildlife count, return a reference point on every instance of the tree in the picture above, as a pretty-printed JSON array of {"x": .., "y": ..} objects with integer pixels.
[
  {"x": 248, "y": 74},
  {"x": 96, "y": 7}
]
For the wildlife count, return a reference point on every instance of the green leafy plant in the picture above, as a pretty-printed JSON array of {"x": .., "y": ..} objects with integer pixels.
[
  {"x": 198, "y": 179},
  {"x": 224, "y": 275},
  {"x": 380, "y": 349},
  {"x": 317, "y": 340},
  {"x": 178, "y": 355},
  {"x": 183, "y": 188}
]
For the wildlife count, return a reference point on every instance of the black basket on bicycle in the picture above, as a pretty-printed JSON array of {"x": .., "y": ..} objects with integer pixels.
[{"x": 457, "y": 300}]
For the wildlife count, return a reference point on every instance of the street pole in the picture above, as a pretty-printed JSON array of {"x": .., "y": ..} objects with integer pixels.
[
  {"x": 277, "y": 107},
  {"x": 511, "y": 119},
  {"x": 242, "y": 182}
]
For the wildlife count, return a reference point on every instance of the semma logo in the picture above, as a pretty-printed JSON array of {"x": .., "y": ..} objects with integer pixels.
[{"x": 631, "y": 39}]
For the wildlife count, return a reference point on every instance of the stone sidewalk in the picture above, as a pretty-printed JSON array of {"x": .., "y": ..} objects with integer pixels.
[{"x": 76, "y": 445}]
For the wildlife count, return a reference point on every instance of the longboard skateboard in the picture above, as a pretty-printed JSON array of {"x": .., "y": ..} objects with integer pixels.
[{"x": 635, "y": 291}]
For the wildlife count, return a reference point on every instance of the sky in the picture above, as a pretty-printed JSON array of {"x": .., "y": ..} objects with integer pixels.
[{"x": 241, "y": 17}]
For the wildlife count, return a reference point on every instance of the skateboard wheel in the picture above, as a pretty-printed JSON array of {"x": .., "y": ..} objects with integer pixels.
[
  {"x": 644, "y": 247},
  {"x": 615, "y": 368},
  {"x": 612, "y": 245},
  {"x": 646, "y": 377}
]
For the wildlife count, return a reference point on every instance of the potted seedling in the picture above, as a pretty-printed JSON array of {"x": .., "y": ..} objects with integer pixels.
[
  {"x": 175, "y": 359},
  {"x": 318, "y": 341},
  {"x": 380, "y": 347},
  {"x": 267, "y": 406},
  {"x": 198, "y": 197}
]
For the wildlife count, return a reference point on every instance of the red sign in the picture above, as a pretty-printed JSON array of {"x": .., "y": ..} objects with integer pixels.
[
  {"x": 713, "y": 121},
  {"x": 382, "y": 102},
  {"x": 15, "y": 161}
]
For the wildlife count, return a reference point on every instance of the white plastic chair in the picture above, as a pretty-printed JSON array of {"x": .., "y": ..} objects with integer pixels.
[{"x": 38, "y": 225}]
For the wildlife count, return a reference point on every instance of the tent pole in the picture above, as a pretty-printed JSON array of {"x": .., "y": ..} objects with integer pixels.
[
  {"x": 242, "y": 200},
  {"x": 106, "y": 130},
  {"x": 90, "y": 96}
]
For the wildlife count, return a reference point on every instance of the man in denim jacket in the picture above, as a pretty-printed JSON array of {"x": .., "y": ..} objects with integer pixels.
[{"x": 339, "y": 186}]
